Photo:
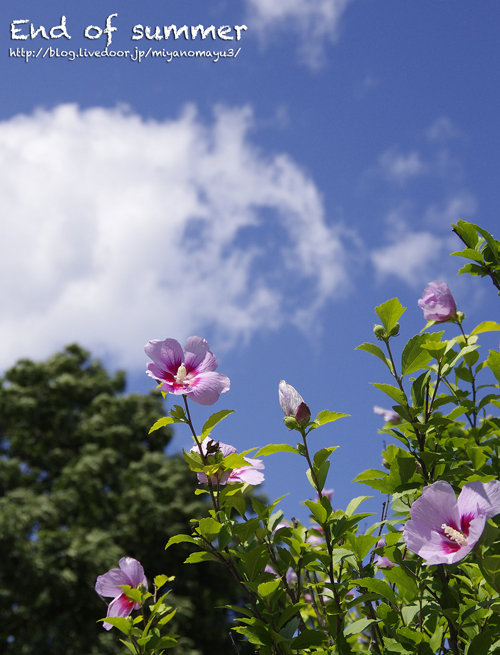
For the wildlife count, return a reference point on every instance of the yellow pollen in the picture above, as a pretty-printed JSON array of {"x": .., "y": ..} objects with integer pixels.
[
  {"x": 181, "y": 374},
  {"x": 454, "y": 535}
]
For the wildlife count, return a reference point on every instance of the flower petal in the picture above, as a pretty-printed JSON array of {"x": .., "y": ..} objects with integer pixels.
[
  {"x": 207, "y": 387},
  {"x": 430, "y": 544},
  {"x": 134, "y": 571},
  {"x": 477, "y": 494},
  {"x": 198, "y": 357},
  {"x": 109, "y": 584},
  {"x": 120, "y": 606},
  {"x": 248, "y": 474},
  {"x": 168, "y": 354},
  {"x": 289, "y": 398},
  {"x": 436, "y": 505}
]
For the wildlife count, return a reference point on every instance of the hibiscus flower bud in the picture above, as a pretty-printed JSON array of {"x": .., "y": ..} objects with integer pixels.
[
  {"x": 290, "y": 398},
  {"x": 303, "y": 414},
  {"x": 437, "y": 303},
  {"x": 378, "y": 330},
  {"x": 395, "y": 330}
]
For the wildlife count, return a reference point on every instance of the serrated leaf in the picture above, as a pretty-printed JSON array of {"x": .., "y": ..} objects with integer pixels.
[
  {"x": 212, "y": 421},
  {"x": 494, "y": 363},
  {"x": 467, "y": 232},
  {"x": 201, "y": 556},
  {"x": 124, "y": 625},
  {"x": 354, "y": 504},
  {"x": 180, "y": 538},
  {"x": 161, "y": 422},
  {"x": 317, "y": 510},
  {"x": 393, "y": 392},
  {"x": 327, "y": 417},
  {"x": 358, "y": 626},
  {"x": 469, "y": 253},
  {"x": 268, "y": 588},
  {"x": 322, "y": 455},
  {"x": 390, "y": 312},
  {"x": 486, "y": 326},
  {"x": 378, "y": 587},
  {"x": 273, "y": 448},
  {"x": 414, "y": 357},
  {"x": 378, "y": 352},
  {"x": 307, "y": 639}
]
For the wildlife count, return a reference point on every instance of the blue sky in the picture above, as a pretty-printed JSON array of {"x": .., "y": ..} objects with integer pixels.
[{"x": 266, "y": 201}]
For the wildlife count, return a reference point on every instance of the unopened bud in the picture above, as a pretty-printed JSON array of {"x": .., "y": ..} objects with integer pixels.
[
  {"x": 378, "y": 331},
  {"x": 395, "y": 330},
  {"x": 291, "y": 422},
  {"x": 303, "y": 413},
  {"x": 385, "y": 463}
]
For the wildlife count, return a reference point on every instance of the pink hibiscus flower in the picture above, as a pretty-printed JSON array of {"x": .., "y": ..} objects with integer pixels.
[
  {"x": 189, "y": 372},
  {"x": 250, "y": 474},
  {"x": 130, "y": 573},
  {"x": 389, "y": 415},
  {"x": 442, "y": 529},
  {"x": 437, "y": 302}
]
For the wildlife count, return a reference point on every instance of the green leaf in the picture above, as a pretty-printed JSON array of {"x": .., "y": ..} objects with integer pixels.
[
  {"x": 201, "y": 556},
  {"x": 268, "y": 588},
  {"x": 378, "y": 352},
  {"x": 486, "y": 326},
  {"x": 161, "y": 422},
  {"x": 209, "y": 528},
  {"x": 467, "y": 232},
  {"x": 161, "y": 580},
  {"x": 494, "y": 363},
  {"x": 128, "y": 645},
  {"x": 327, "y": 417},
  {"x": 378, "y": 587},
  {"x": 212, "y": 421},
  {"x": 307, "y": 639},
  {"x": 436, "y": 639},
  {"x": 354, "y": 504},
  {"x": 289, "y": 612},
  {"x": 179, "y": 539},
  {"x": 273, "y": 448},
  {"x": 124, "y": 625},
  {"x": 322, "y": 455},
  {"x": 414, "y": 357},
  {"x": 469, "y": 253},
  {"x": 393, "y": 392},
  {"x": 390, "y": 312},
  {"x": 317, "y": 510},
  {"x": 358, "y": 626},
  {"x": 254, "y": 560},
  {"x": 403, "y": 581}
]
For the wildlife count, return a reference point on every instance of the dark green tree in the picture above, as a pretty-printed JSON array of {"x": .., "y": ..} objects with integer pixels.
[{"x": 81, "y": 485}]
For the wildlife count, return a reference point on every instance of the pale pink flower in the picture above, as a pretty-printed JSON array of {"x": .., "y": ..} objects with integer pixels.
[
  {"x": 325, "y": 492},
  {"x": 251, "y": 474},
  {"x": 189, "y": 372},
  {"x": 442, "y": 529},
  {"x": 130, "y": 573},
  {"x": 292, "y": 403},
  {"x": 382, "y": 561},
  {"x": 389, "y": 415},
  {"x": 438, "y": 303}
]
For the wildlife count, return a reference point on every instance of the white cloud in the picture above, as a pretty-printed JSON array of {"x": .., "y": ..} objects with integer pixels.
[
  {"x": 442, "y": 130},
  {"x": 410, "y": 257},
  {"x": 315, "y": 21},
  {"x": 117, "y": 230},
  {"x": 400, "y": 167},
  {"x": 462, "y": 205}
]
